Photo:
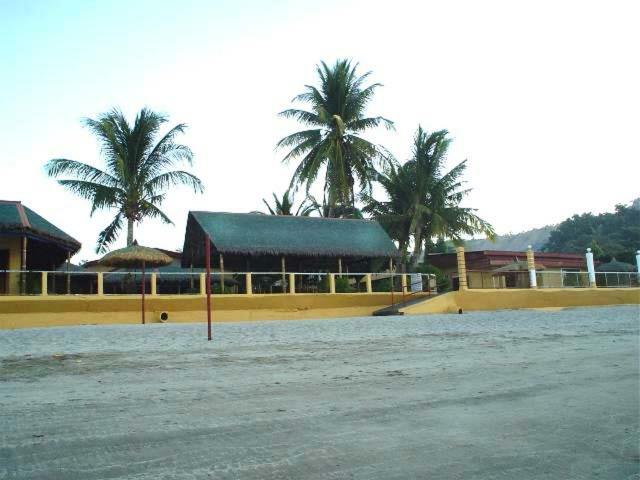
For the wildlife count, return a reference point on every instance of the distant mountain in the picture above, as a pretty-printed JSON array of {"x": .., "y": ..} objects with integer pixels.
[{"x": 517, "y": 242}]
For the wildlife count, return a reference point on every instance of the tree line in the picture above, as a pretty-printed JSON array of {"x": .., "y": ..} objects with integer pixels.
[{"x": 422, "y": 199}]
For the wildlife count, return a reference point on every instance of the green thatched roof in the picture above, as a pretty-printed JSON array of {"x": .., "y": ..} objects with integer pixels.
[
  {"x": 257, "y": 234},
  {"x": 16, "y": 219}
]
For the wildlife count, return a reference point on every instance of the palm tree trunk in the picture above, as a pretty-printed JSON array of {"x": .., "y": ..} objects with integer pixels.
[
  {"x": 417, "y": 249},
  {"x": 129, "y": 232}
]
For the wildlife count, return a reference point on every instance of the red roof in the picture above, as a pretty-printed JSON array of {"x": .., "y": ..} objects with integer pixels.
[{"x": 492, "y": 259}]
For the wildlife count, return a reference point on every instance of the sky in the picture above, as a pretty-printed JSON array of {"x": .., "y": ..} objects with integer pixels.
[{"x": 542, "y": 98}]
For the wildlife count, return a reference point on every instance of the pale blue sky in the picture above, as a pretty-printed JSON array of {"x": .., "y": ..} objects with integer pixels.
[{"x": 548, "y": 89}]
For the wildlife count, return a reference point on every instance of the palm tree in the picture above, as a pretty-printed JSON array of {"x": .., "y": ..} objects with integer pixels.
[
  {"x": 335, "y": 120},
  {"x": 284, "y": 206},
  {"x": 137, "y": 174},
  {"x": 394, "y": 214},
  {"x": 424, "y": 200},
  {"x": 339, "y": 210}
]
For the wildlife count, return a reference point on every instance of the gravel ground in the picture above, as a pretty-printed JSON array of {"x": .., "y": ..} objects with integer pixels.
[{"x": 487, "y": 395}]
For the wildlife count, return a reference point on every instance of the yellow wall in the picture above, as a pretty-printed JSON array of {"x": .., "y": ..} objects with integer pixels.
[
  {"x": 19, "y": 312},
  {"x": 13, "y": 244},
  {"x": 22, "y": 312},
  {"x": 486, "y": 299}
]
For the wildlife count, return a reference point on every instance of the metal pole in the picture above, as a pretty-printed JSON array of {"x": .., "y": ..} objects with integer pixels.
[
  {"x": 143, "y": 292},
  {"x": 69, "y": 276},
  {"x": 207, "y": 254}
]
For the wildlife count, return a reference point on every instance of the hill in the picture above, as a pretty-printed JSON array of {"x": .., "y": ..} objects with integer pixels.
[{"x": 518, "y": 242}]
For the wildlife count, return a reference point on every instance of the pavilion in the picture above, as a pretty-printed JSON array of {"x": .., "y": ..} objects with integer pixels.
[{"x": 277, "y": 243}]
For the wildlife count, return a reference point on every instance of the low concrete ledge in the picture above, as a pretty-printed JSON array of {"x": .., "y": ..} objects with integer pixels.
[
  {"x": 500, "y": 299},
  {"x": 44, "y": 311}
]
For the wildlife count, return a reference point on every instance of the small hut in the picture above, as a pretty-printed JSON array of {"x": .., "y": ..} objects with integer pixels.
[{"x": 29, "y": 242}]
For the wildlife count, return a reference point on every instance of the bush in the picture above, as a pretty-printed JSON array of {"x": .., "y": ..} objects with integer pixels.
[
  {"x": 342, "y": 285},
  {"x": 442, "y": 281}
]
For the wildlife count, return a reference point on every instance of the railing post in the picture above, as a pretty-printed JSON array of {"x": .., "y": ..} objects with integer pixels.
[
  {"x": 154, "y": 277},
  {"x": 369, "y": 286},
  {"x": 591, "y": 269},
  {"x": 292, "y": 283},
  {"x": 403, "y": 283},
  {"x": 637, "y": 266},
  {"x": 462, "y": 268},
  {"x": 247, "y": 283},
  {"x": 203, "y": 284},
  {"x": 531, "y": 266},
  {"x": 332, "y": 283},
  {"x": 43, "y": 287},
  {"x": 100, "y": 283}
]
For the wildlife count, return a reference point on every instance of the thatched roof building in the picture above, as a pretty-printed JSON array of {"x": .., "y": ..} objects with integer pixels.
[
  {"x": 47, "y": 246},
  {"x": 257, "y": 242}
]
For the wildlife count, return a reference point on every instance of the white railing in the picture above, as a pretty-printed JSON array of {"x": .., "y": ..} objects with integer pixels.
[
  {"x": 487, "y": 279},
  {"x": 37, "y": 282}
]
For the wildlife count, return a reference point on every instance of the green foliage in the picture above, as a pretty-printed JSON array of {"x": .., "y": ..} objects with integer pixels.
[
  {"x": 138, "y": 171},
  {"x": 423, "y": 199},
  {"x": 331, "y": 141},
  {"x": 284, "y": 206},
  {"x": 382, "y": 285},
  {"x": 442, "y": 281},
  {"x": 342, "y": 285},
  {"x": 609, "y": 235}
]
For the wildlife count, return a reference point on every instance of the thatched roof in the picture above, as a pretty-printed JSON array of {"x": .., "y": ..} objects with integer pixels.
[
  {"x": 616, "y": 266},
  {"x": 133, "y": 256},
  {"x": 16, "y": 219},
  {"x": 255, "y": 234}
]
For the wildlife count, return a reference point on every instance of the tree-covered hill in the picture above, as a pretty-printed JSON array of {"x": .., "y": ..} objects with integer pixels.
[{"x": 609, "y": 235}]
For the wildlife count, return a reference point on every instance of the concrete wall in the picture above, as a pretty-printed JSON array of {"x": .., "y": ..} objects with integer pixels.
[
  {"x": 525, "y": 298},
  {"x": 20, "y": 312},
  {"x": 13, "y": 244}
]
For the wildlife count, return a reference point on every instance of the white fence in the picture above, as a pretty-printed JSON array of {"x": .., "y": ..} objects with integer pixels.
[{"x": 477, "y": 279}]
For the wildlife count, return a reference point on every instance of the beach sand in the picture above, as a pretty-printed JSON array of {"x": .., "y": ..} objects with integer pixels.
[{"x": 487, "y": 395}]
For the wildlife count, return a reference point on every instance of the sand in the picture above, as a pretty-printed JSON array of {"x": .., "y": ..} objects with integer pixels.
[{"x": 487, "y": 395}]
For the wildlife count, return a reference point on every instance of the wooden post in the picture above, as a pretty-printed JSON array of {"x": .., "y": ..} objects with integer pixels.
[
  {"x": 143, "y": 292},
  {"x": 390, "y": 264},
  {"x": 340, "y": 266},
  {"x": 332, "y": 283},
  {"x": 23, "y": 267},
  {"x": 207, "y": 260},
  {"x": 221, "y": 273},
  {"x": 248, "y": 284},
  {"x": 100, "y": 284},
  {"x": 43, "y": 283},
  {"x": 68, "y": 275},
  {"x": 154, "y": 287},
  {"x": 292, "y": 283},
  {"x": 283, "y": 267},
  {"x": 191, "y": 277},
  {"x": 403, "y": 280},
  {"x": 203, "y": 284},
  {"x": 369, "y": 286}
]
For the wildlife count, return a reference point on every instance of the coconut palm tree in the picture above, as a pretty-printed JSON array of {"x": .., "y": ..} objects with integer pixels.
[
  {"x": 137, "y": 174},
  {"x": 394, "y": 214},
  {"x": 332, "y": 141},
  {"x": 284, "y": 205},
  {"x": 337, "y": 211},
  {"x": 424, "y": 200}
]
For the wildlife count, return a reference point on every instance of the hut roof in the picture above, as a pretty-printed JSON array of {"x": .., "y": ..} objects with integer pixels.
[
  {"x": 16, "y": 219},
  {"x": 615, "y": 266},
  {"x": 256, "y": 234}
]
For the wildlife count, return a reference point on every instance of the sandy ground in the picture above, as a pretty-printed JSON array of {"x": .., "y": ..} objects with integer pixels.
[{"x": 491, "y": 395}]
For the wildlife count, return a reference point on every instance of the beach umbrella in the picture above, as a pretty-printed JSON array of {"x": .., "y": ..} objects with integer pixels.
[{"x": 136, "y": 256}]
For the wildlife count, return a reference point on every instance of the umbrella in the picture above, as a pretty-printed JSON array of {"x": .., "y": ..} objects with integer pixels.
[{"x": 135, "y": 256}]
